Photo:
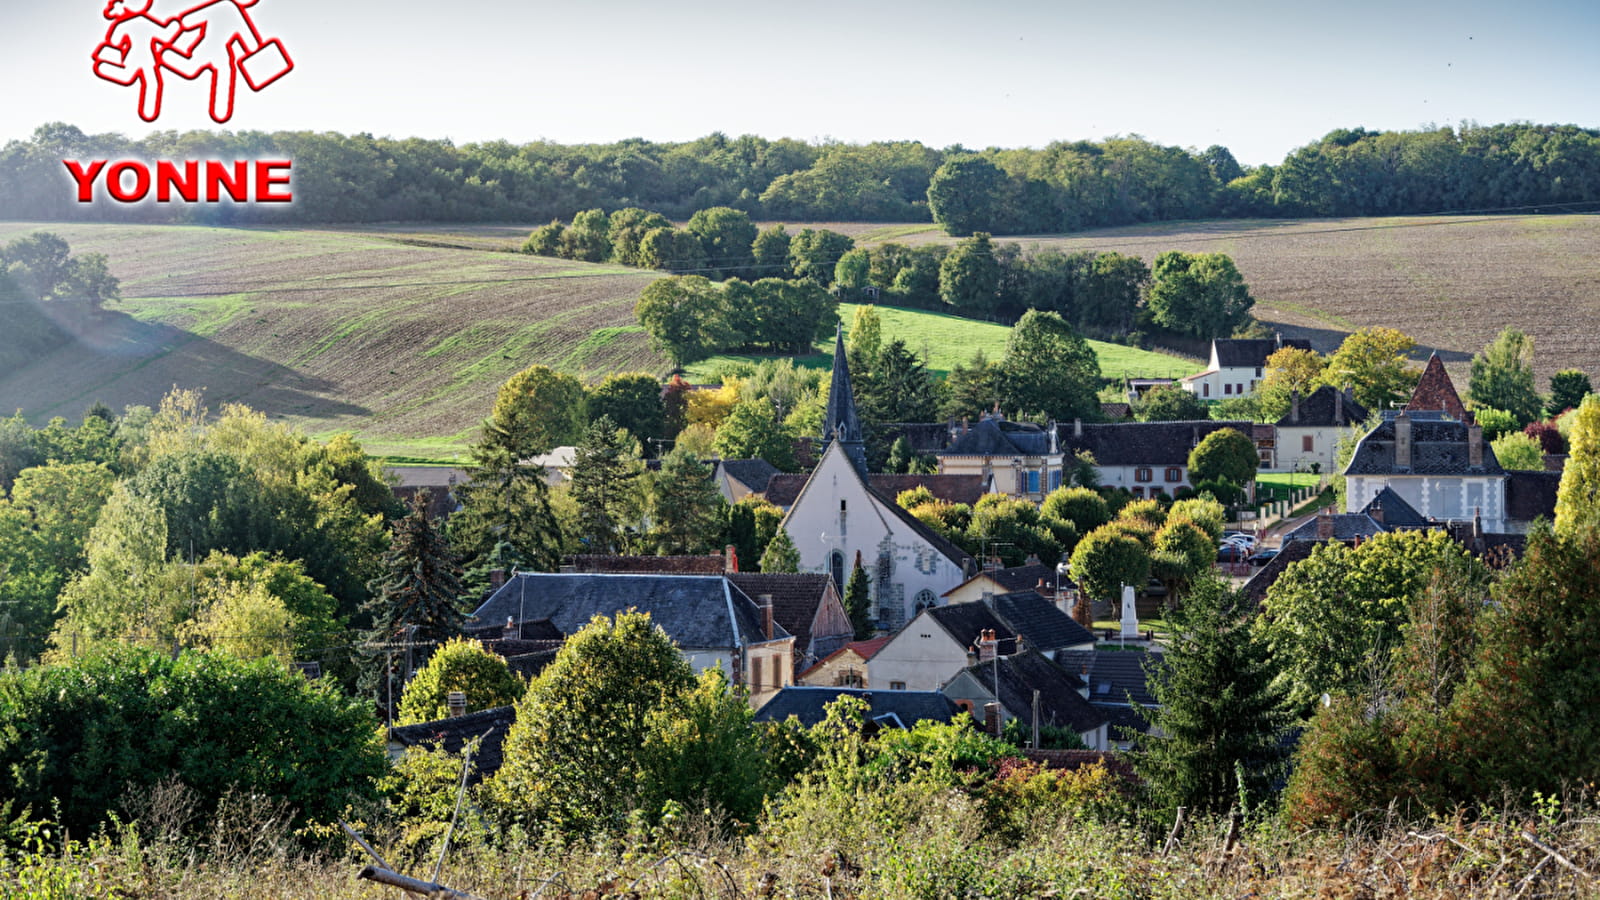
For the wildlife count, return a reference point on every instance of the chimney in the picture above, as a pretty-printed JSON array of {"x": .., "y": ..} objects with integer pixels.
[
  {"x": 766, "y": 615},
  {"x": 986, "y": 645},
  {"x": 1325, "y": 524},
  {"x": 1402, "y": 442},
  {"x": 1077, "y": 428},
  {"x": 730, "y": 557},
  {"x": 966, "y": 424},
  {"x": 457, "y": 701},
  {"x": 991, "y": 719},
  {"x": 1294, "y": 407},
  {"x": 1338, "y": 406},
  {"x": 1474, "y": 443},
  {"x": 497, "y": 579},
  {"x": 972, "y": 656},
  {"x": 1377, "y": 512},
  {"x": 511, "y": 632},
  {"x": 1021, "y": 645},
  {"x": 1083, "y": 674}
]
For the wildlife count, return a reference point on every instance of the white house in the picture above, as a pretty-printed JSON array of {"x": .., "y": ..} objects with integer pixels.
[
  {"x": 1019, "y": 460},
  {"x": 930, "y": 650},
  {"x": 1146, "y": 458},
  {"x": 1440, "y": 467},
  {"x": 1308, "y": 437},
  {"x": 1237, "y": 366}
]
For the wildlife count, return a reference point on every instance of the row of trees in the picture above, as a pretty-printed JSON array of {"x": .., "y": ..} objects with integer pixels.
[
  {"x": 43, "y": 287},
  {"x": 1062, "y": 187}
]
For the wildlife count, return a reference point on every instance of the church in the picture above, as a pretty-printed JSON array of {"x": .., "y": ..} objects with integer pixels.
[{"x": 839, "y": 518}]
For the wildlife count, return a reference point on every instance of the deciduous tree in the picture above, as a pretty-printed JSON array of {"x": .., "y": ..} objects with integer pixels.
[
  {"x": 1224, "y": 455},
  {"x": 1200, "y": 294},
  {"x": 1502, "y": 377},
  {"x": 1373, "y": 363},
  {"x": 460, "y": 665},
  {"x": 969, "y": 277},
  {"x": 1049, "y": 368}
]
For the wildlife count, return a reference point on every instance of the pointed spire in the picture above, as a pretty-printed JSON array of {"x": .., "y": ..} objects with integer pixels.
[
  {"x": 1436, "y": 393},
  {"x": 841, "y": 422}
]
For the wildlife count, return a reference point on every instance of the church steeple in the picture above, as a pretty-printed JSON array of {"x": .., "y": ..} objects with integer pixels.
[{"x": 841, "y": 422}]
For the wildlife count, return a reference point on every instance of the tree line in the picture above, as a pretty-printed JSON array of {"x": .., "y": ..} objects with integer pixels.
[{"x": 1062, "y": 187}]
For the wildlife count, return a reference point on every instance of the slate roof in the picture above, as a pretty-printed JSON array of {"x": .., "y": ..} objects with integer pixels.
[
  {"x": 699, "y": 612},
  {"x": 1040, "y": 623},
  {"x": 1016, "y": 578},
  {"x": 997, "y": 437},
  {"x": 648, "y": 565},
  {"x": 1144, "y": 443},
  {"x": 1531, "y": 495},
  {"x": 1253, "y": 353},
  {"x": 795, "y": 598},
  {"x": 784, "y": 489},
  {"x": 453, "y": 734},
  {"x": 1397, "y": 513},
  {"x": 1347, "y": 527},
  {"x": 1436, "y": 392},
  {"x": 965, "y": 621},
  {"x": 752, "y": 473},
  {"x": 907, "y": 708},
  {"x": 1113, "y": 675},
  {"x": 1438, "y": 447},
  {"x": 1324, "y": 409},
  {"x": 1266, "y": 576},
  {"x": 1059, "y": 702}
]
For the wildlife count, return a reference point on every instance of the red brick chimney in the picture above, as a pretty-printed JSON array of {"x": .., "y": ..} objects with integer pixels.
[
  {"x": 730, "y": 558},
  {"x": 497, "y": 579},
  {"x": 1325, "y": 524},
  {"x": 1474, "y": 444},
  {"x": 988, "y": 645},
  {"x": 765, "y": 602},
  {"x": 991, "y": 719}
]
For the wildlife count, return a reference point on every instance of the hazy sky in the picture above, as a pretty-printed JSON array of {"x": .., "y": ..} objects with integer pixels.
[{"x": 1260, "y": 77}]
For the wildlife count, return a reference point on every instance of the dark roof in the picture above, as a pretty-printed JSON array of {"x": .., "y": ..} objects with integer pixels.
[
  {"x": 997, "y": 437},
  {"x": 783, "y": 490},
  {"x": 1395, "y": 513},
  {"x": 1436, "y": 392},
  {"x": 1144, "y": 443},
  {"x": 1326, "y": 407},
  {"x": 1016, "y": 578},
  {"x": 1266, "y": 576},
  {"x": 1041, "y": 624},
  {"x": 453, "y": 734},
  {"x": 809, "y": 705},
  {"x": 1021, "y": 674},
  {"x": 1122, "y": 719},
  {"x": 965, "y": 621},
  {"x": 840, "y": 422},
  {"x": 1114, "y": 675},
  {"x": 1438, "y": 447},
  {"x": 752, "y": 473},
  {"x": 1347, "y": 527},
  {"x": 1252, "y": 353},
  {"x": 648, "y": 565},
  {"x": 694, "y": 610},
  {"x": 1116, "y": 411},
  {"x": 530, "y": 665},
  {"x": 1532, "y": 495},
  {"x": 795, "y": 598}
]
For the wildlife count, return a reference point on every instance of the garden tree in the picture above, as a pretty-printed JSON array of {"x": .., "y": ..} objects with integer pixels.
[
  {"x": 781, "y": 555},
  {"x": 787, "y": 385},
  {"x": 917, "y": 283},
  {"x": 1215, "y": 738},
  {"x": 1181, "y": 553},
  {"x": 687, "y": 318},
  {"x": 1373, "y": 363},
  {"x": 586, "y": 239},
  {"x": 770, "y": 253},
  {"x": 727, "y": 236},
  {"x": 902, "y": 460},
  {"x": 633, "y": 401},
  {"x": 1568, "y": 387},
  {"x": 712, "y": 407},
  {"x": 1199, "y": 294},
  {"x": 1578, "y": 499},
  {"x": 672, "y": 250},
  {"x": 814, "y": 253},
  {"x": 968, "y": 194},
  {"x": 1495, "y": 422},
  {"x": 460, "y": 665},
  {"x": 605, "y": 486},
  {"x": 626, "y": 230},
  {"x": 1518, "y": 452},
  {"x": 898, "y": 388},
  {"x": 1502, "y": 377},
  {"x": 82, "y": 738},
  {"x": 618, "y": 724},
  {"x": 1049, "y": 368},
  {"x": 421, "y": 586},
  {"x": 1289, "y": 371},
  {"x": 537, "y": 410},
  {"x": 505, "y": 501},
  {"x": 1081, "y": 506},
  {"x": 752, "y": 524},
  {"x": 685, "y": 507},
  {"x": 858, "y": 600},
  {"x": 854, "y": 270},
  {"x": 1148, "y": 512},
  {"x": 1108, "y": 558},
  {"x": 1014, "y": 530},
  {"x": 969, "y": 277},
  {"x": 1207, "y": 515},
  {"x": 752, "y": 431},
  {"x": 970, "y": 389},
  {"x": 1548, "y": 436},
  {"x": 1226, "y": 455},
  {"x": 863, "y": 340},
  {"x": 1330, "y": 617},
  {"x": 675, "y": 406},
  {"x": 243, "y": 619},
  {"x": 1169, "y": 403}
]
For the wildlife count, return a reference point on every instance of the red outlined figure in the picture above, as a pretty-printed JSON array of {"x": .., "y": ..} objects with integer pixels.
[{"x": 216, "y": 39}]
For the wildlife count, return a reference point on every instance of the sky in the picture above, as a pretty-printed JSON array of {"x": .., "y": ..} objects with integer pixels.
[{"x": 1261, "y": 78}]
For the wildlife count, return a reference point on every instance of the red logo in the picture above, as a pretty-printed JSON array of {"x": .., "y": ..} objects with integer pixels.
[{"x": 215, "y": 39}]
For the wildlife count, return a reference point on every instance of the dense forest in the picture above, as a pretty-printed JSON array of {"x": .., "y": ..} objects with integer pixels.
[{"x": 1062, "y": 187}]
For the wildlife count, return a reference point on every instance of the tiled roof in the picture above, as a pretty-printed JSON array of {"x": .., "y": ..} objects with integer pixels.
[
  {"x": 1144, "y": 443},
  {"x": 784, "y": 489},
  {"x": 694, "y": 610},
  {"x": 752, "y": 473},
  {"x": 1041, "y": 624},
  {"x": 453, "y": 734},
  {"x": 864, "y": 649},
  {"x": 1266, "y": 576},
  {"x": 809, "y": 705},
  {"x": 1253, "y": 353},
  {"x": 965, "y": 621},
  {"x": 1436, "y": 392},
  {"x": 992, "y": 437},
  {"x": 648, "y": 565},
  {"x": 1325, "y": 408},
  {"x": 1438, "y": 447},
  {"x": 1532, "y": 495},
  {"x": 1019, "y": 675},
  {"x": 1117, "y": 411},
  {"x": 1114, "y": 675},
  {"x": 1346, "y": 527},
  {"x": 1016, "y": 578},
  {"x": 1396, "y": 512},
  {"x": 795, "y": 598}
]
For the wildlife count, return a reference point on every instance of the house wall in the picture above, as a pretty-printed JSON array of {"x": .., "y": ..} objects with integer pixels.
[
  {"x": 973, "y": 591},
  {"x": 1128, "y": 477},
  {"x": 923, "y": 656},
  {"x": 1223, "y": 384},
  {"x": 836, "y": 514},
  {"x": 1447, "y": 498},
  {"x": 769, "y": 668},
  {"x": 1292, "y": 454},
  {"x": 1010, "y": 473},
  {"x": 845, "y": 670}
]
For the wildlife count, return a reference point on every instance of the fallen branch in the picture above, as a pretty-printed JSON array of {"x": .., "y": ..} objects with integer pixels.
[
  {"x": 412, "y": 885},
  {"x": 1550, "y": 852}
]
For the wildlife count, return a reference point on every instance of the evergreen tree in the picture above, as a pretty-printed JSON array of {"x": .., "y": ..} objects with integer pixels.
[
  {"x": 685, "y": 506},
  {"x": 1567, "y": 389},
  {"x": 605, "y": 475},
  {"x": 421, "y": 584},
  {"x": 900, "y": 456},
  {"x": 752, "y": 523},
  {"x": 781, "y": 555},
  {"x": 506, "y": 501},
  {"x": 898, "y": 389},
  {"x": 1215, "y": 740},
  {"x": 970, "y": 390},
  {"x": 858, "y": 600}
]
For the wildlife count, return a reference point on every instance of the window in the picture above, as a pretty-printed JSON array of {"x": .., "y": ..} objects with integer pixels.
[
  {"x": 1307, "y": 444},
  {"x": 925, "y": 600},
  {"x": 1138, "y": 492},
  {"x": 755, "y": 673},
  {"x": 1144, "y": 474},
  {"x": 849, "y": 678},
  {"x": 1055, "y": 479},
  {"x": 897, "y": 685},
  {"x": 1227, "y": 389},
  {"x": 1205, "y": 389},
  {"x": 1240, "y": 390},
  {"x": 1258, "y": 371},
  {"x": 844, "y": 506},
  {"x": 1033, "y": 481},
  {"x": 836, "y": 563},
  {"x": 1174, "y": 474}
]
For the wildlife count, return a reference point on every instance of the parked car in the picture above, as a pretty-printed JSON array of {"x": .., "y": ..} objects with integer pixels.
[
  {"x": 1263, "y": 556},
  {"x": 1232, "y": 553}
]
